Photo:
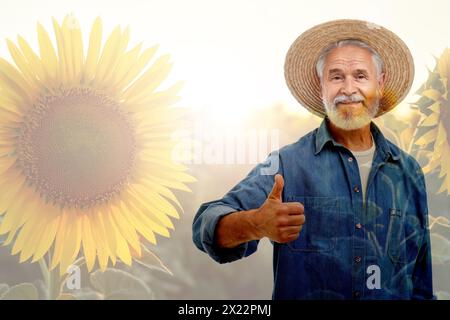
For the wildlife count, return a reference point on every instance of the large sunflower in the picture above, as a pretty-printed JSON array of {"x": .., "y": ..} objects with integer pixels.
[
  {"x": 85, "y": 147},
  {"x": 435, "y": 126}
]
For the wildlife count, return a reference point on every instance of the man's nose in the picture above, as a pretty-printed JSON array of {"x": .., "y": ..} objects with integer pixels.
[{"x": 348, "y": 87}]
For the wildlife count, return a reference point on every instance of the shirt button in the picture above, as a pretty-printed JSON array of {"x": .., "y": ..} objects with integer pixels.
[
  {"x": 358, "y": 226},
  {"x": 350, "y": 159},
  {"x": 356, "y": 294},
  {"x": 358, "y": 259},
  {"x": 356, "y": 189}
]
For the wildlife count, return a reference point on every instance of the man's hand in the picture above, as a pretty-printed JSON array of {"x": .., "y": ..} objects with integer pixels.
[{"x": 280, "y": 222}]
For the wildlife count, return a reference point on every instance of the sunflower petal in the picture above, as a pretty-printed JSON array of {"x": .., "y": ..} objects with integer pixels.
[
  {"x": 164, "y": 191},
  {"x": 72, "y": 243},
  {"x": 125, "y": 228},
  {"x": 435, "y": 107},
  {"x": 10, "y": 117},
  {"x": 22, "y": 63},
  {"x": 89, "y": 247},
  {"x": 108, "y": 54},
  {"x": 147, "y": 217},
  {"x": 122, "y": 249},
  {"x": 431, "y": 120},
  {"x": 63, "y": 227},
  {"x": 32, "y": 239},
  {"x": 150, "y": 80},
  {"x": 99, "y": 236},
  {"x": 137, "y": 68},
  {"x": 119, "y": 52},
  {"x": 71, "y": 26},
  {"x": 95, "y": 42},
  {"x": 161, "y": 203},
  {"x": 432, "y": 94},
  {"x": 443, "y": 64},
  {"x": 441, "y": 137},
  {"x": 143, "y": 229},
  {"x": 26, "y": 232},
  {"x": 10, "y": 105},
  {"x": 12, "y": 79},
  {"x": 47, "y": 52},
  {"x": 173, "y": 184},
  {"x": 125, "y": 64},
  {"x": 14, "y": 183},
  {"x": 148, "y": 208},
  {"x": 432, "y": 164},
  {"x": 63, "y": 49},
  {"x": 164, "y": 98},
  {"x": 107, "y": 232},
  {"x": 47, "y": 237},
  {"x": 427, "y": 138},
  {"x": 33, "y": 60},
  {"x": 18, "y": 215}
]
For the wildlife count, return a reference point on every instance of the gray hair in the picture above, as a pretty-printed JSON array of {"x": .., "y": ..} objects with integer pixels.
[{"x": 348, "y": 42}]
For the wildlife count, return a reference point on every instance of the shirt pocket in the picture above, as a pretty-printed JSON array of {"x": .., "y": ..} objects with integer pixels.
[
  {"x": 319, "y": 232},
  {"x": 396, "y": 240}
]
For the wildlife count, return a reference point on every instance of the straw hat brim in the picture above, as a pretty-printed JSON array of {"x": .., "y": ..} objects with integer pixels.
[{"x": 301, "y": 60}]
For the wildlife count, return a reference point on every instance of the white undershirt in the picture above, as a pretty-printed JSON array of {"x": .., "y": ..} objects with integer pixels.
[{"x": 364, "y": 160}]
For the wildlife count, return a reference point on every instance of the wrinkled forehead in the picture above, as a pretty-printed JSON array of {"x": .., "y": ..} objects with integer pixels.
[{"x": 349, "y": 58}]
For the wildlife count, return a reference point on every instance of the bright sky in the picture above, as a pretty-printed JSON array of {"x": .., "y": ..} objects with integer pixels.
[{"x": 231, "y": 53}]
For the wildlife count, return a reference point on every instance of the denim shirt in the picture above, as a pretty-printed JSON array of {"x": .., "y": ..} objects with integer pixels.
[{"x": 348, "y": 248}]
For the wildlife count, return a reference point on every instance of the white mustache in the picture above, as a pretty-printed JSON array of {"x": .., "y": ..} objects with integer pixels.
[{"x": 348, "y": 99}]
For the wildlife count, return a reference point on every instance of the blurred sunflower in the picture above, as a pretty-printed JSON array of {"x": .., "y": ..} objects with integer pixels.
[
  {"x": 434, "y": 105},
  {"x": 85, "y": 147}
]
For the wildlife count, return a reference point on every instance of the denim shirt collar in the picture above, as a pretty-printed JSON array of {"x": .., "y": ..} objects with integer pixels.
[{"x": 323, "y": 136}]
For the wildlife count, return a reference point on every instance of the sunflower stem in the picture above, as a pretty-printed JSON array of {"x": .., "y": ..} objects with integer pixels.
[
  {"x": 55, "y": 284},
  {"x": 46, "y": 276},
  {"x": 52, "y": 278}
]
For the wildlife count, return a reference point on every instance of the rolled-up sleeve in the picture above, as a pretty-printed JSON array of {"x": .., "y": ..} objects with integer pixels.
[
  {"x": 248, "y": 194},
  {"x": 203, "y": 234}
]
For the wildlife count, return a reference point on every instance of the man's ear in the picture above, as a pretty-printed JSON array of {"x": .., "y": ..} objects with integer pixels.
[
  {"x": 381, "y": 81},
  {"x": 321, "y": 89}
]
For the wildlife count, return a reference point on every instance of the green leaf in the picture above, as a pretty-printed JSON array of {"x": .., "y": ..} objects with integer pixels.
[
  {"x": 431, "y": 120},
  {"x": 118, "y": 284},
  {"x": 152, "y": 261},
  {"x": 3, "y": 288},
  {"x": 66, "y": 296},
  {"x": 442, "y": 295},
  {"x": 86, "y": 293},
  {"x": 440, "y": 248},
  {"x": 432, "y": 94},
  {"x": 23, "y": 291},
  {"x": 443, "y": 64}
]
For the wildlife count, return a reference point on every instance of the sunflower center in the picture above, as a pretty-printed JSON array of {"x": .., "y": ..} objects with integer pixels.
[{"x": 77, "y": 147}]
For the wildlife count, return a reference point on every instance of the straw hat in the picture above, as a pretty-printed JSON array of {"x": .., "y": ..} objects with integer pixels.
[{"x": 301, "y": 60}]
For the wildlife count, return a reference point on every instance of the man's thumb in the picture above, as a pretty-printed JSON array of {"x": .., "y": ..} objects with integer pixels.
[{"x": 277, "y": 189}]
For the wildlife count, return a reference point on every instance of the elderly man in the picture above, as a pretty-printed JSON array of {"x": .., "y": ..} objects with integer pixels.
[{"x": 347, "y": 209}]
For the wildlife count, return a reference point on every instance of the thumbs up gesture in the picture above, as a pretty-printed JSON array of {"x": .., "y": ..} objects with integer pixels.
[{"x": 279, "y": 221}]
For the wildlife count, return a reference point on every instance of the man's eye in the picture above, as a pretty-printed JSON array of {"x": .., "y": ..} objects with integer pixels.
[
  {"x": 336, "y": 78},
  {"x": 361, "y": 76}
]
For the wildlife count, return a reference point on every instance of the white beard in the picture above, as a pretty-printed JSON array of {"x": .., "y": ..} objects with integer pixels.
[{"x": 350, "y": 122}]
